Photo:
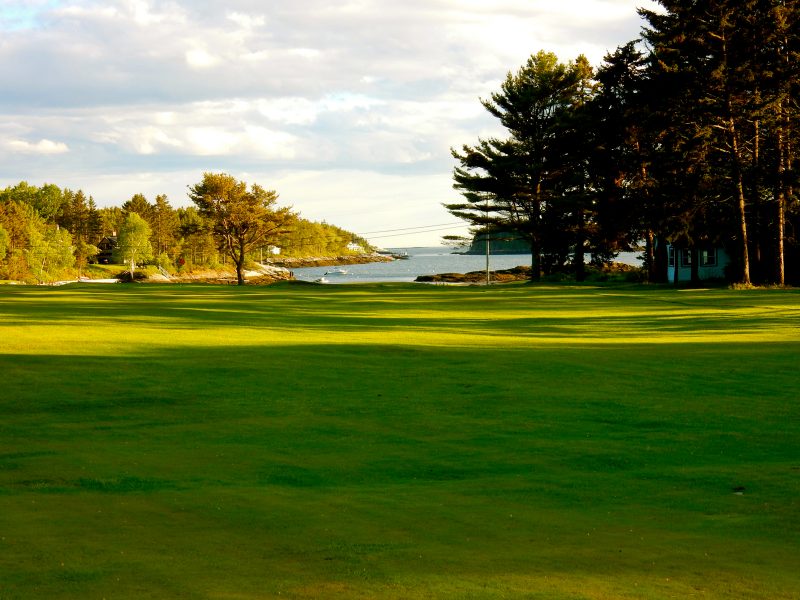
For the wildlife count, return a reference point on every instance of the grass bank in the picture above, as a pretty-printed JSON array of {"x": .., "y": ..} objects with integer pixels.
[{"x": 398, "y": 441}]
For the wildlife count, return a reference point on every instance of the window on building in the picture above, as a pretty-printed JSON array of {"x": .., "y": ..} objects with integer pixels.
[
  {"x": 708, "y": 258},
  {"x": 671, "y": 254},
  {"x": 686, "y": 258}
]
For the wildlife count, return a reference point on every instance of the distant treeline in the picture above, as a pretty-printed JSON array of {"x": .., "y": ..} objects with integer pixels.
[{"x": 47, "y": 233}]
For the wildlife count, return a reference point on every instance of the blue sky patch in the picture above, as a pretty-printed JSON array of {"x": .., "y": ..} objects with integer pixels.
[{"x": 16, "y": 16}]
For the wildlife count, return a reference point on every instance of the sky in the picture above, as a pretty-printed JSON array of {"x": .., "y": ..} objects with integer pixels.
[{"x": 347, "y": 108}]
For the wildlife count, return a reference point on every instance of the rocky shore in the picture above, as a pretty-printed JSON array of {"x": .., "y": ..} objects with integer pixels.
[
  {"x": 327, "y": 261},
  {"x": 270, "y": 271},
  {"x": 261, "y": 275},
  {"x": 618, "y": 271},
  {"x": 521, "y": 273}
]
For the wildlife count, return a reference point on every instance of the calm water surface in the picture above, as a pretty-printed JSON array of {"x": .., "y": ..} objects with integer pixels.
[{"x": 421, "y": 261}]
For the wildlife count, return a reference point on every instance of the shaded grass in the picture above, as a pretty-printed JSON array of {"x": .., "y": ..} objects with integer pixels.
[{"x": 398, "y": 441}]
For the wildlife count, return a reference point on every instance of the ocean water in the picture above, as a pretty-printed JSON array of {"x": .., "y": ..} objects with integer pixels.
[{"x": 421, "y": 261}]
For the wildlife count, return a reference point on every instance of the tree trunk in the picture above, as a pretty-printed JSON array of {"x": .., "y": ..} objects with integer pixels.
[
  {"x": 736, "y": 159},
  {"x": 781, "y": 196},
  {"x": 536, "y": 246},
  {"x": 239, "y": 273},
  {"x": 238, "y": 260},
  {"x": 742, "y": 204},
  {"x": 661, "y": 260},
  {"x": 649, "y": 256},
  {"x": 781, "y": 229},
  {"x": 536, "y": 261},
  {"x": 743, "y": 230}
]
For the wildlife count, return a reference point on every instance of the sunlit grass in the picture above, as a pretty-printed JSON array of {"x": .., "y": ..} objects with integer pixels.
[{"x": 399, "y": 441}]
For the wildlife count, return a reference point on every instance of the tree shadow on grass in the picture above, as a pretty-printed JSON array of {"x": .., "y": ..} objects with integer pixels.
[
  {"x": 353, "y": 457},
  {"x": 478, "y": 411},
  {"x": 573, "y": 315}
]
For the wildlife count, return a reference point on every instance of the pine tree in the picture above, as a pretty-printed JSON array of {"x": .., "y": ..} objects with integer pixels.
[
  {"x": 715, "y": 57},
  {"x": 623, "y": 148},
  {"x": 512, "y": 184},
  {"x": 164, "y": 223},
  {"x": 139, "y": 205}
]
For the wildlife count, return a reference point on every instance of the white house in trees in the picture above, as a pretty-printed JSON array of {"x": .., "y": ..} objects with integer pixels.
[{"x": 712, "y": 263}]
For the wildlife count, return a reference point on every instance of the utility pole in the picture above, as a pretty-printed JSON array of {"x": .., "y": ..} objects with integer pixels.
[{"x": 488, "y": 276}]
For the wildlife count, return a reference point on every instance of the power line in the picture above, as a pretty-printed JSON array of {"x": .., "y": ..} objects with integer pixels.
[
  {"x": 410, "y": 228},
  {"x": 378, "y": 237}
]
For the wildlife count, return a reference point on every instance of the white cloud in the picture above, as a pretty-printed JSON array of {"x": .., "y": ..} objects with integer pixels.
[
  {"x": 87, "y": 12},
  {"x": 350, "y": 106},
  {"x": 43, "y": 147},
  {"x": 246, "y": 21},
  {"x": 258, "y": 56},
  {"x": 268, "y": 143},
  {"x": 200, "y": 58},
  {"x": 151, "y": 140},
  {"x": 290, "y": 111},
  {"x": 142, "y": 13},
  {"x": 138, "y": 12},
  {"x": 205, "y": 141},
  {"x": 309, "y": 53},
  {"x": 165, "y": 117}
]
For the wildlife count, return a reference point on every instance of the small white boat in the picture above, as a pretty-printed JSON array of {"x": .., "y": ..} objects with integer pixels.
[
  {"x": 336, "y": 271},
  {"x": 321, "y": 280}
]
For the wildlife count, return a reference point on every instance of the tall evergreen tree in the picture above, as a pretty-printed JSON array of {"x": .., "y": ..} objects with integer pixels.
[
  {"x": 712, "y": 60},
  {"x": 622, "y": 155},
  {"x": 94, "y": 222},
  {"x": 139, "y": 205},
  {"x": 573, "y": 211},
  {"x": 511, "y": 184},
  {"x": 776, "y": 24},
  {"x": 164, "y": 223}
]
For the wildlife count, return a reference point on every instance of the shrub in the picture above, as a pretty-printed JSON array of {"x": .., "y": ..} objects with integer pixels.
[{"x": 125, "y": 276}]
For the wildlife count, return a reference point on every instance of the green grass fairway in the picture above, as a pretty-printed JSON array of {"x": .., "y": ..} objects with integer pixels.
[{"x": 399, "y": 441}]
